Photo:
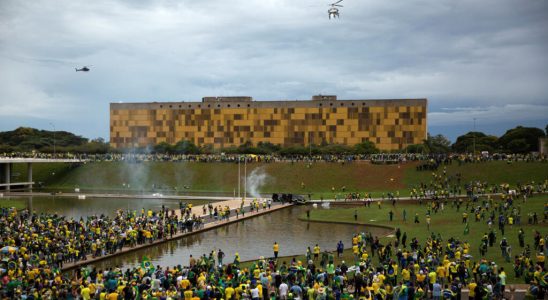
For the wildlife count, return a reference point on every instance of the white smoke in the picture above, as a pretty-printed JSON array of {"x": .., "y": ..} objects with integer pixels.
[{"x": 255, "y": 181}]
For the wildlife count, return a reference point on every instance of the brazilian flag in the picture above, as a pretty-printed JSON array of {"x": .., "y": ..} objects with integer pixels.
[
  {"x": 12, "y": 265},
  {"x": 147, "y": 264},
  {"x": 466, "y": 229},
  {"x": 34, "y": 259}
]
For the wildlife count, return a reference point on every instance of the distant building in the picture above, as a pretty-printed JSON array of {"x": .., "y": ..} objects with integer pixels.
[
  {"x": 232, "y": 121},
  {"x": 543, "y": 146}
]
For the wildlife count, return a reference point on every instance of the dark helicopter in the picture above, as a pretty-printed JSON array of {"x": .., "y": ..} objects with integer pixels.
[
  {"x": 334, "y": 11},
  {"x": 83, "y": 69}
]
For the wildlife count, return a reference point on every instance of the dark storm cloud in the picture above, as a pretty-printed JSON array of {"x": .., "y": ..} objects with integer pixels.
[{"x": 481, "y": 58}]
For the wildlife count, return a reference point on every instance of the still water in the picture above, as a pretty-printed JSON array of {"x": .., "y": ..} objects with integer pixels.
[
  {"x": 251, "y": 238},
  {"x": 76, "y": 208}
]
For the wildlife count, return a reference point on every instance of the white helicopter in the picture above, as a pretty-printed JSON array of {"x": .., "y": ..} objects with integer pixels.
[{"x": 334, "y": 11}]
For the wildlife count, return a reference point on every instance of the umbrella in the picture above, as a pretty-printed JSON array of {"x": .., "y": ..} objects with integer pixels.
[{"x": 8, "y": 249}]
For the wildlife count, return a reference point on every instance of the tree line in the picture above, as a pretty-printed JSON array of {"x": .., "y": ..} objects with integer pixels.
[{"x": 517, "y": 140}]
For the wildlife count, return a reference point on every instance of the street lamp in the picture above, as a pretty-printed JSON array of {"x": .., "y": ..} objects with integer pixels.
[
  {"x": 474, "y": 140},
  {"x": 52, "y": 125}
]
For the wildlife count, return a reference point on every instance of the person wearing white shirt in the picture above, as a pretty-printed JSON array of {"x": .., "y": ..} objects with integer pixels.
[
  {"x": 255, "y": 293},
  {"x": 283, "y": 291}
]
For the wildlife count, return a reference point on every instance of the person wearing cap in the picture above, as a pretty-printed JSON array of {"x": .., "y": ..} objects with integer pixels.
[{"x": 540, "y": 259}]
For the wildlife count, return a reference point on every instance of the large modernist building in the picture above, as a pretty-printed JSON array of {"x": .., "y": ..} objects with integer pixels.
[{"x": 228, "y": 121}]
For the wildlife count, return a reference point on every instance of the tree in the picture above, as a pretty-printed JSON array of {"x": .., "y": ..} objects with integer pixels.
[
  {"x": 268, "y": 147},
  {"x": 335, "y": 149},
  {"x": 186, "y": 147},
  {"x": 298, "y": 150},
  {"x": 517, "y": 146},
  {"x": 27, "y": 139},
  {"x": 437, "y": 144},
  {"x": 247, "y": 148},
  {"x": 163, "y": 147},
  {"x": 528, "y": 135},
  {"x": 475, "y": 140},
  {"x": 366, "y": 147},
  {"x": 416, "y": 148}
]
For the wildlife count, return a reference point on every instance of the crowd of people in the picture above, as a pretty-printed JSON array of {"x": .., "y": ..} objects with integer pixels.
[
  {"x": 51, "y": 239},
  {"x": 398, "y": 268},
  {"x": 435, "y": 269},
  {"x": 430, "y": 161},
  {"x": 36, "y": 246}
]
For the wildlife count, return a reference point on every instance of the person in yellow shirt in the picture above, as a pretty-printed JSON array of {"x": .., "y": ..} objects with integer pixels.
[
  {"x": 421, "y": 277},
  {"x": 260, "y": 288},
  {"x": 365, "y": 256},
  {"x": 381, "y": 278},
  {"x": 405, "y": 275},
  {"x": 375, "y": 287},
  {"x": 188, "y": 294},
  {"x": 440, "y": 271},
  {"x": 85, "y": 292},
  {"x": 229, "y": 291},
  {"x": 276, "y": 249},
  {"x": 316, "y": 252},
  {"x": 472, "y": 287},
  {"x": 355, "y": 251},
  {"x": 92, "y": 288},
  {"x": 112, "y": 296},
  {"x": 432, "y": 278},
  {"x": 540, "y": 259}
]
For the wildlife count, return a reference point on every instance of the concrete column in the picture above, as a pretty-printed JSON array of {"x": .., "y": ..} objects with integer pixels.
[
  {"x": 8, "y": 176},
  {"x": 29, "y": 205},
  {"x": 29, "y": 175},
  {"x": 2, "y": 172}
]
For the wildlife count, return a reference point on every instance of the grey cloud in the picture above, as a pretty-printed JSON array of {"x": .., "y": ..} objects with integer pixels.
[{"x": 456, "y": 53}]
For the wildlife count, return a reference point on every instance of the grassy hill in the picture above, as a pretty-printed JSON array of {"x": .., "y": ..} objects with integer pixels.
[
  {"x": 447, "y": 222},
  {"x": 318, "y": 178}
]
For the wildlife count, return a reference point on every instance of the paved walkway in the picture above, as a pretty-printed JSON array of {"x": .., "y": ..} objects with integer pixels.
[
  {"x": 209, "y": 224},
  {"x": 426, "y": 199}
]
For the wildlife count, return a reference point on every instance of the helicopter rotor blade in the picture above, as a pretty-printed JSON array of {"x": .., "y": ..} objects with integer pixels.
[{"x": 338, "y": 2}]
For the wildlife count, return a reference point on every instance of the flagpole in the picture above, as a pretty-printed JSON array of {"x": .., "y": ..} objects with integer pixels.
[
  {"x": 239, "y": 176},
  {"x": 245, "y": 178}
]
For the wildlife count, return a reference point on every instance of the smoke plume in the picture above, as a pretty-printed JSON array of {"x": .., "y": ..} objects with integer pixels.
[{"x": 255, "y": 181}]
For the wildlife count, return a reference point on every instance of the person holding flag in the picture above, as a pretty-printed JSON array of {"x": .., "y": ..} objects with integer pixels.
[{"x": 147, "y": 264}]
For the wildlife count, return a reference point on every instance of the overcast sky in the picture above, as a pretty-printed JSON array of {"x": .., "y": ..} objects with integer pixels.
[{"x": 483, "y": 59}]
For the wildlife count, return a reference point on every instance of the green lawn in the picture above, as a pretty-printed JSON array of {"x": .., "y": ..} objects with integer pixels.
[
  {"x": 495, "y": 172},
  {"x": 298, "y": 178},
  {"x": 448, "y": 223},
  {"x": 4, "y": 202}
]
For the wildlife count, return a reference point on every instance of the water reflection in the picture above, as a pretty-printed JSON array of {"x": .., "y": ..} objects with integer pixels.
[
  {"x": 76, "y": 208},
  {"x": 250, "y": 238}
]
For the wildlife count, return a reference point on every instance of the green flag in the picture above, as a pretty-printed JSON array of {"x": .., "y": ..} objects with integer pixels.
[{"x": 466, "y": 229}]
